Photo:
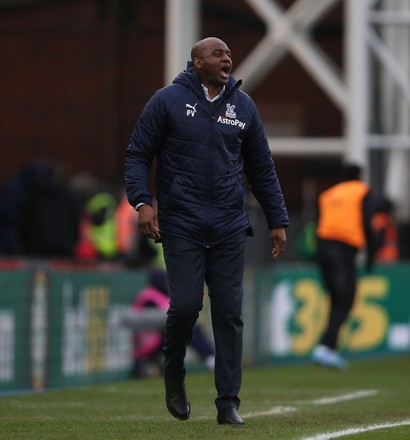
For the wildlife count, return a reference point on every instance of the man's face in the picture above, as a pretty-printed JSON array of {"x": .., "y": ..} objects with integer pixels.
[{"x": 215, "y": 64}]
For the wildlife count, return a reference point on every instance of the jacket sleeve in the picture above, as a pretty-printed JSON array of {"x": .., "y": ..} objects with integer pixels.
[
  {"x": 145, "y": 142},
  {"x": 261, "y": 174}
]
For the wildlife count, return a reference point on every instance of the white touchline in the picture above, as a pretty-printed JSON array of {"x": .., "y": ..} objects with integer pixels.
[
  {"x": 350, "y": 431},
  {"x": 271, "y": 412},
  {"x": 341, "y": 398},
  {"x": 323, "y": 401}
]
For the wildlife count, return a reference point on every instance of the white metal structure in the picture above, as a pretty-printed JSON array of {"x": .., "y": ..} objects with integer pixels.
[
  {"x": 182, "y": 29},
  {"x": 374, "y": 87}
]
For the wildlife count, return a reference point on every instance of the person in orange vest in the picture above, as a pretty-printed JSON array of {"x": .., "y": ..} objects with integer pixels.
[
  {"x": 126, "y": 219},
  {"x": 386, "y": 232},
  {"x": 344, "y": 228}
]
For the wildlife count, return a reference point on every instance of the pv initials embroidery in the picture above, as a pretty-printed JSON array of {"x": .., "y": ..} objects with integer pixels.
[{"x": 191, "y": 109}]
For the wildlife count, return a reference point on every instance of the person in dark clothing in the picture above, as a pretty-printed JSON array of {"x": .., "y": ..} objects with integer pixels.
[
  {"x": 344, "y": 228},
  {"x": 50, "y": 217},
  {"x": 12, "y": 199},
  {"x": 206, "y": 134}
]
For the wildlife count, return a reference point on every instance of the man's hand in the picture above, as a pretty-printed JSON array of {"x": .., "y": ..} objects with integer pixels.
[
  {"x": 148, "y": 222},
  {"x": 278, "y": 239}
]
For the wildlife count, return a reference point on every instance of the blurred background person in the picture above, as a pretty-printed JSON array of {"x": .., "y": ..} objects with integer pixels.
[
  {"x": 385, "y": 230},
  {"x": 126, "y": 220},
  {"x": 345, "y": 213},
  {"x": 13, "y": 197},
  {"x": 50, "y": 215}
]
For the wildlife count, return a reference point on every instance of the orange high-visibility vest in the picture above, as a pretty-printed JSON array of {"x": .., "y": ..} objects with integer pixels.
[
  {"x": 126, "y": 219},
  {"x": 341, "y": 213},
  {"x": 389, "y": 251}
]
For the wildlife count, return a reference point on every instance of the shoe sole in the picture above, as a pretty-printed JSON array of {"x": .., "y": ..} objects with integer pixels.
[
  {"x": 178, "y": 416},
  {"x": 230, "y": 424}
]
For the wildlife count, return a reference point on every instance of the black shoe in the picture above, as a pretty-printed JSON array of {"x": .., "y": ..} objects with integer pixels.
[
  {"x": 229, "y": 416},
  {"x": 177, "y": 401}
]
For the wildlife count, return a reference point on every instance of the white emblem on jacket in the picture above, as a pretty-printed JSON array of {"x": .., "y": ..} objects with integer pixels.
[
  {"x": 230, "y": 118},
  {"x": 191, "y": 109},
  {"x": 230, "y": 111}
]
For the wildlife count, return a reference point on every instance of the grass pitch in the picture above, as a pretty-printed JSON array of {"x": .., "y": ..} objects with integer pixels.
[{"x": 370, "y": 400}]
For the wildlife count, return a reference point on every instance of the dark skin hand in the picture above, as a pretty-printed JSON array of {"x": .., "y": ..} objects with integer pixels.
[
  {"x": 278, "y": 239},
  {"x": 148, "y": 222}
]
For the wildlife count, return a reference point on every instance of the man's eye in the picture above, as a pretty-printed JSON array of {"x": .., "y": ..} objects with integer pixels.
[{"x": 220, "y": 54}]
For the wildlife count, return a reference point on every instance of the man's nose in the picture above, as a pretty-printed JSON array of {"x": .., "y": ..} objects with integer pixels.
[{"x": 226, "y": 57}]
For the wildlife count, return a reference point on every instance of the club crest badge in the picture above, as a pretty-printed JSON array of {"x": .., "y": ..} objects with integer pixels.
[
  {"x": 230, "y": 111},
  {"x": 230, "y": 118}
]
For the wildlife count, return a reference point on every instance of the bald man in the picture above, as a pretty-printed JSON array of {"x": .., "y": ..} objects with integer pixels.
[{"x": 206, "y": 135}]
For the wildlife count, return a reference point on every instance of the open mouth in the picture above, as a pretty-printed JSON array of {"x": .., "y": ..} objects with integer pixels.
[{"x": 225, "y": 71}]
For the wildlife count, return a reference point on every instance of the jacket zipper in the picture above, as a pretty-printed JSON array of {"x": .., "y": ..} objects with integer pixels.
[{"x": 212, "y": 112}]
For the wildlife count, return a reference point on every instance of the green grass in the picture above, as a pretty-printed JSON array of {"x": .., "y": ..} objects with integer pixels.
[{"x": 277, "y": 403}]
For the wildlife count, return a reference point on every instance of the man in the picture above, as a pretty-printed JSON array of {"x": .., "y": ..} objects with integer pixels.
[
  {"x": 344, "y": 228},
  {"x": 206, "y": 134}
]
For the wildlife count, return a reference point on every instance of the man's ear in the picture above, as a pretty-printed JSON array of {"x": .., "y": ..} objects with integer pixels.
[{"x": 197, "y": 62}]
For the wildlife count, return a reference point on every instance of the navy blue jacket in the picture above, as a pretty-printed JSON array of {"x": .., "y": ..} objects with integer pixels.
[{"x": 202, "y": 156}]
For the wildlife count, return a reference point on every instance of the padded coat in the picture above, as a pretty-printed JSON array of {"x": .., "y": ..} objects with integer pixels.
[{"x": 203, "y": 153}]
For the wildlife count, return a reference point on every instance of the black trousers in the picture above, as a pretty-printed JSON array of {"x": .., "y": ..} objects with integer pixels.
[
  {"x": 189, "y": 265},
  {"x": 338, "y": 269}
]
